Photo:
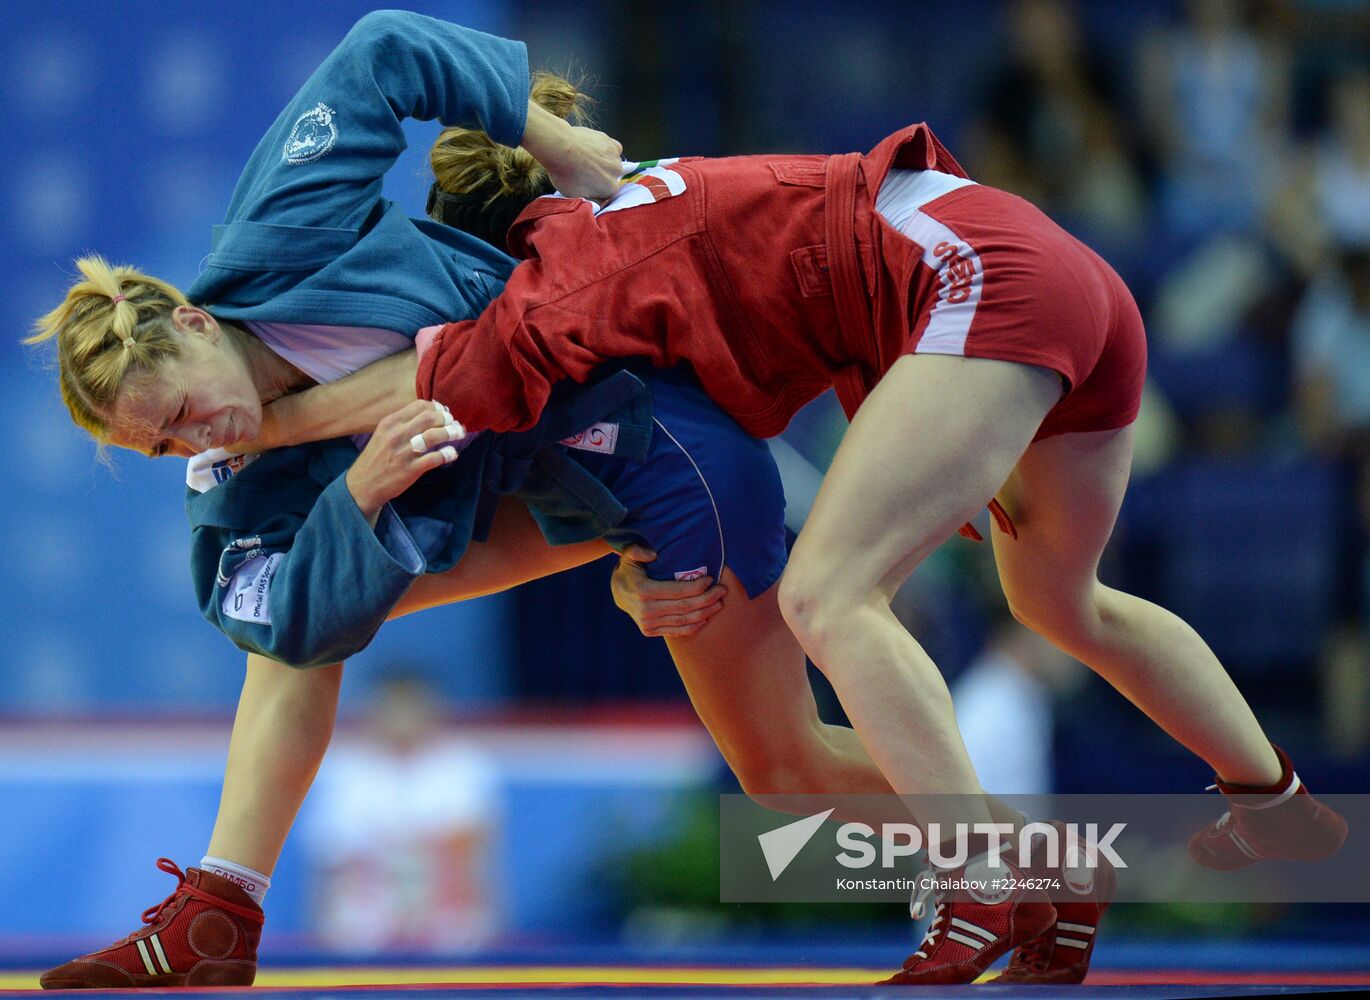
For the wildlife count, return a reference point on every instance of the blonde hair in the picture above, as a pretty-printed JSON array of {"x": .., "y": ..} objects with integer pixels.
[
  {"x": 467, "y": 161},
  {"x": 114, "y": 322}
]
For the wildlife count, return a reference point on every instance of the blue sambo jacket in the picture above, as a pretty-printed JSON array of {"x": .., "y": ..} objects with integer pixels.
[{"x": 283, "y": 562}]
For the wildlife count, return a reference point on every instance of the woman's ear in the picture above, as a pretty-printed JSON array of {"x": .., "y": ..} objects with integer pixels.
[{"x": 192, "y": 320}]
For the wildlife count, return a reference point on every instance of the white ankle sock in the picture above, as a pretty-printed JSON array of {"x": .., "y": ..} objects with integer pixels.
[{"x": 254, "y": 883}]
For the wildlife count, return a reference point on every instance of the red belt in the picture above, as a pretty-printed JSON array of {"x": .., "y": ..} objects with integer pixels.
[
  {"x": 844, "y": 270},
  {"x": 853, "y": 304}
]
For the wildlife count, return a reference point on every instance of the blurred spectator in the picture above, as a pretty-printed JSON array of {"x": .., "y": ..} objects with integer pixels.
[
  {"x": 1345, "y": 724},
  {"x": 400, "y": 827},
  {"x": 1327, "y": 202},
  {"x": 1215, "y": 94},
  {"x": 1213, "y": 350},
  {"x": 1203, "y": 301},
  {"x": 1006, "y": 706},
  {"x": 1215, "y": 99},
  {"x": 1343, "y": 161},
  {"x": 1051, "y": 130},
  {"x": 1331, "y": 350}
]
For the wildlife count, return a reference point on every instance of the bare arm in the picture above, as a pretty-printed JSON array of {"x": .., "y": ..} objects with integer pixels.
[
  {"x": 581, "y": 162},
  {"x": 515, "y": 553},
  {"x": 351, "y": 405}
]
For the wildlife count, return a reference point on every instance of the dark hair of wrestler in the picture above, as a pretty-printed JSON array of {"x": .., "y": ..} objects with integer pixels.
[{"x": 480, "y": 186}]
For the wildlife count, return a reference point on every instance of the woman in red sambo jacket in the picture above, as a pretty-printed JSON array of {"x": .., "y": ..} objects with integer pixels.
[{"x": 984, "y": 355}]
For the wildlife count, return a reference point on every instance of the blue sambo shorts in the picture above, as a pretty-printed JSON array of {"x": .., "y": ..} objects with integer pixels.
[{"x": 708, "y": 495}]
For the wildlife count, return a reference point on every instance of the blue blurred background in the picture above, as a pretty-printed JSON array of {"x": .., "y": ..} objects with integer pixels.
[{"x": 1216, "y": 152}]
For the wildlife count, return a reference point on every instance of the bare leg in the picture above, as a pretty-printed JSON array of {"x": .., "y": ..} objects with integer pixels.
[
  {"x": 280, "y": 733},
  {"x": 1064, "y": 497},
  {"x": 748, "y": 681},
  {"x": 929, "y": 447}
]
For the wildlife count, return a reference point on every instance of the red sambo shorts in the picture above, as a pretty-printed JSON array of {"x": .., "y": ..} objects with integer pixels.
[{"x": 1001, "y": 280}]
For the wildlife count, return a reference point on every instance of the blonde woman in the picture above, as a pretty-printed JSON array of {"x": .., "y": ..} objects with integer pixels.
[{"x": 301, "y": 553}]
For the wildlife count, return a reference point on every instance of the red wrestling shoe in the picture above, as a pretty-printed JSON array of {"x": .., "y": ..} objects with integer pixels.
[
  {"x": 1061, "y": 956},
  {"x": 203, "y": 934},
  {"x": 968, "y": 932},
  {"x": 1276, "y": 822}
]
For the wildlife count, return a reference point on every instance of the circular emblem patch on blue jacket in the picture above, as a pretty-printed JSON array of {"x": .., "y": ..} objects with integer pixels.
[{"x": 312, "y": 137}]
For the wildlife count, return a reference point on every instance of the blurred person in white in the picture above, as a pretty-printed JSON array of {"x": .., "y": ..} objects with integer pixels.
[
  {"x": 1006, "y": 708},
  {"x": 1326, "y": 203},
  {"x": 1341, "y": 168},
  {"x": 400, "y": 832},
  {"x": 1215, "y": 100},
  {"x": 1331, "y": 353}
]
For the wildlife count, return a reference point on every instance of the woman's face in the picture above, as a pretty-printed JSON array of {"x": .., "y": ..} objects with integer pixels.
[{"x": 203, "y": 398}]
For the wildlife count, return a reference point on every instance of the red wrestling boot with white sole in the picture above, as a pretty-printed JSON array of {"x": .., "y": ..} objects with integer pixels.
[
  {"x": 204, "y": 934},
  {"x": 1275, "y": 822},
  {"x": 1060, "y": 957},
  {"x": 972, "y": 927}
]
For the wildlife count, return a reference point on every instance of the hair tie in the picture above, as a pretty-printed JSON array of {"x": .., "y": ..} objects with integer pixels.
[{"x": 127, "y": 339}]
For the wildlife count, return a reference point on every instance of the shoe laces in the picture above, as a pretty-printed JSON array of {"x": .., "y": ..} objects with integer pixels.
[
  {"x": 154, "y": 913},
  {"x": 183, "y": 888},
  {"x": 1034, "y": 956},
  {"x": 918, "y": 905},
  {"x": 916, "y": 909}
]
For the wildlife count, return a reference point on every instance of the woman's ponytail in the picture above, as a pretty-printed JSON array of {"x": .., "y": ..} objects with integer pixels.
[
  {"x": 469, "y": 162},
  {"x": 115, "y": 321}
]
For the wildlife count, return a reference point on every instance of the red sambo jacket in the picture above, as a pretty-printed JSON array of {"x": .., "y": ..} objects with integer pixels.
[{"x": 771, "y": 276}]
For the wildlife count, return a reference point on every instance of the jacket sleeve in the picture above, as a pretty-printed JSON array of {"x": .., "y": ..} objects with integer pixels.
[
  {"x": 322, "y": 161},
  {"x": 305, "y": 589},
  {"x": 496, "y": 372}
]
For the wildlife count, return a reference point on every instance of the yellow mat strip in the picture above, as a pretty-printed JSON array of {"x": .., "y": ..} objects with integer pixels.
[{"x": 503, "y": 974}]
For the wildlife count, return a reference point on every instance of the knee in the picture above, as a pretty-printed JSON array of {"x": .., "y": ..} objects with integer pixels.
[
  {"x": 1065, "y": 619},
  {"x": 1025, "y": 611},
  {"x": 762, "y": 773},
  {"x": 812, "y": 609},
  {"x": 1040, "y": 612},
  {"x": 793, "y": 770},
  {"x": 800, "y": 598}
]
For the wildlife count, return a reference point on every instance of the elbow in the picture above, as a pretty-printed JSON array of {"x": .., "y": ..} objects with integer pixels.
[{"x": 379, "y": 27}]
